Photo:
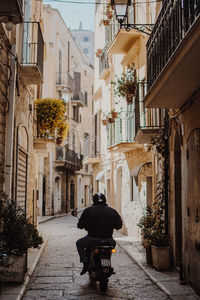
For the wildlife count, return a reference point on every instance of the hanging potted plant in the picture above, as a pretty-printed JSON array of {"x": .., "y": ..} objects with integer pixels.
[
  {"x": 106, "y": 22},
  {"x": 17, "y": 235},
  {"x": 125, "y": 85},
  {"x": 114, "y": 114},
  {"x": 98, "y": 52}
]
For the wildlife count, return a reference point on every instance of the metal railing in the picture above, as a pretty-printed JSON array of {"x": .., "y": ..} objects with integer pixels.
[
  {"x": 79, "y": 96},
  {"x": 174, "y": 22},
  {"x": 146, "y": 118},
  {"x": 67, "y": 155},
  {"x": 91, "y": 147},
  {"x": 65, "y": 80},
  {"x": 123, "y": 129},
  {"x": 33, "y": 45},
  {"x": 103, "y": 62}
]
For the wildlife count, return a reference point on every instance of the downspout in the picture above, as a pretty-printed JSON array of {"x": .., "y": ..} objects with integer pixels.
[{"x": 10, "y": 128}]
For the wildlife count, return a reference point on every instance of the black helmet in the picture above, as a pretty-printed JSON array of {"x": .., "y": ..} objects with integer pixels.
[{"x": 99, "y": 198}]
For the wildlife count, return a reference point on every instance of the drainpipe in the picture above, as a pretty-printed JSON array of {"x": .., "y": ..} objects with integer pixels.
[{"x": 10, "y": 127}]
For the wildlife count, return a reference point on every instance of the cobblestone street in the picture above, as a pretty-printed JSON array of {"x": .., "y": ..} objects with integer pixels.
[{"x": 57, "y": 274}]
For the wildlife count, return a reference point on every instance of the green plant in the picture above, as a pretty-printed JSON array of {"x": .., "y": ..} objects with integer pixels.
[
  {"x": 125, "y": 85},
  {"x": 51, "y": 118},
  {"x": 17, "y": 233},
  {"x": 146, "y": 222}
]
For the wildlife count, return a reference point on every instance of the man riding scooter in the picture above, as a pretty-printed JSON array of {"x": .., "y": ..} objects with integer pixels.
[{"x": 99, "y": 220}]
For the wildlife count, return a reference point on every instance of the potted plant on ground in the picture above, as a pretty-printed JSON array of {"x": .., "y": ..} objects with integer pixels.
[
  {"x": 158, "y": 236},
  {"x": 146, "y": 223},
  {"x": 17, "y": 235},
  {"x": 125, "y": 85}
]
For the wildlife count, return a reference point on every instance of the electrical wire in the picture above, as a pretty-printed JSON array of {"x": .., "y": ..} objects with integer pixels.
[{"x": 94, "y": 3}]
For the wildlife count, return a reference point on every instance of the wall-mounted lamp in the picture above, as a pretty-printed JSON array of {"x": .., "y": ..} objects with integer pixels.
[
  {"x": 121, "y": 13},
  {"x": 9, "y": 26}
]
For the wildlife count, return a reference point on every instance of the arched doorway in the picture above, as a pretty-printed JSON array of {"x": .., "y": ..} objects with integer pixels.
[
  {"x": 43, "y": 196},
  {"x": 72, "y": 192},
  {"x": 178, "y": 201},
  {"x": 57, "y": 195}
]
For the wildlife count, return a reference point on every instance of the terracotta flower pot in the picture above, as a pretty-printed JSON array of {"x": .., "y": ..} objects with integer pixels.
[
  {"x": 104, "y": 122},
  {"x": 114, "y": 114},
  {"x": 106, "y": 22},
  {"x": 129, "y": 98},
  {"x": 111, "y": 120}
]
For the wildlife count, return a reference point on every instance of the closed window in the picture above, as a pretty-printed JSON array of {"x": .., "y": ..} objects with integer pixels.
[
  {"x": 85, "y": 50},
  {"x": 86, "y": 39}
]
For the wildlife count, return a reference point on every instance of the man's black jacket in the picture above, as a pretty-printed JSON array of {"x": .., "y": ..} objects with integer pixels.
[{"x": 100, "y": 220}]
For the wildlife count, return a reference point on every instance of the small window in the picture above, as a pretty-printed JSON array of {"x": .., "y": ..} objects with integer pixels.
[
  {"x": 133, "y": 189},
  {"x": 85, "y": 50},
  {"x": 86, "y": 98},
  {"x": 86, "y": 39}
]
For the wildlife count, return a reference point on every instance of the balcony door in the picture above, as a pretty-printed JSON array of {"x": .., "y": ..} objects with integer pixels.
[{"x": 72, "y": 194}]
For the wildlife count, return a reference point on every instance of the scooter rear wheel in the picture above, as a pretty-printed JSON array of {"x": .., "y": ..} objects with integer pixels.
[{"x": 104, "y": 285}]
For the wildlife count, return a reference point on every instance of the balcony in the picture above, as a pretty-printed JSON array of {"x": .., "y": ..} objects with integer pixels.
[
  {"x": 64, "y": 81},
  {"x": 121, "y": 41},
  {"x": 121, "y": 133},
  {"x": 32, "y": 53},
  {"x": 148, "y": 121},
  {"x": 78, "y": 99},
  {"x": 104, "y": 65},
  {"x": 90, "y": 155},
  {"x": 173, "y": 51},
  {"x": 11, "y": 10},
  {"x": 67, "y": 159}
]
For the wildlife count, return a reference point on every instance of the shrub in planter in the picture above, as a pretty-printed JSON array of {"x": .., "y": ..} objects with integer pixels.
[{"x": 17, "y": 235}]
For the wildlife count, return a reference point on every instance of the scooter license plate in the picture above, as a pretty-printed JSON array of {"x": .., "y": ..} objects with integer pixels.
[{"x": 105, "y": 262}]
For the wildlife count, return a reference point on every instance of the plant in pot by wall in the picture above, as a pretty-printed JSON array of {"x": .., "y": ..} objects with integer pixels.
[
  {"x": 158, "y": 236},
  {"x": 17, "y": 235},
  {"x": 146, "y": 223},
  {"x": 125, "y": 85}
]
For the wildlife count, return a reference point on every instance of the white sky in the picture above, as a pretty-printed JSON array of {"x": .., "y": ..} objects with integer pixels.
[{"x": 74, "y": 13}]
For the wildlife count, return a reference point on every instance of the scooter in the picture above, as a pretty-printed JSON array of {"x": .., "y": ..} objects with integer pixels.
[{"x": 99, "y": 257}]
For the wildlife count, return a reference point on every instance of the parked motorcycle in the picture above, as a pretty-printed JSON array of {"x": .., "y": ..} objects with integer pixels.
[{"x": 99, "y": 258}]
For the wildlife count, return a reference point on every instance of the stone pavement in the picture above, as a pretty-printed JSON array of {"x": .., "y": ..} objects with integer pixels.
[{"x": 166, "y": 281}]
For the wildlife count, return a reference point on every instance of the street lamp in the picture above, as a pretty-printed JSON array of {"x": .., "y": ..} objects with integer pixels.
[{"x": 121, "y": 13}]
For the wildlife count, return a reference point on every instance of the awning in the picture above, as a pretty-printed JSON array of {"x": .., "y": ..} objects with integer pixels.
[{"x": 100, "y": 175}]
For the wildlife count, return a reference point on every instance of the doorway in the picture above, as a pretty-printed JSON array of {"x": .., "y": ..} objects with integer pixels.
[
  {"x": 72, "y": 192},
  {"x": 178, "y": 201}
]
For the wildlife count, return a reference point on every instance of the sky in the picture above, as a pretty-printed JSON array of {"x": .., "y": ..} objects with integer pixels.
[{"x": 74, "y": 13}]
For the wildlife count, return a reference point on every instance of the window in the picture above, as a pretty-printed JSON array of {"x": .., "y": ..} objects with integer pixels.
[
  {"x": 86, "y": 98},
  {"x": 86, "y": 39},
  {"x": 134, "y": 189},
  {"x": 85, "y": 50}
]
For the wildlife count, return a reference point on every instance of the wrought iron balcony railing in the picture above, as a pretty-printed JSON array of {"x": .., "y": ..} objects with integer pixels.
[
  {"x": 32, "y": 52},
  {"x": 69, "y": 157},
  {"x": 79, "y": 97},
  {"x": 122, "y": 130},
  {"x": 174, "y": 22},
  {"x": 91, "y": 147},
  {"x": 103, "y": 64},
  {"x": 11, "y": 10},
  {"x": 146, "y": 118},
  {"x": 65, "y": 80}
]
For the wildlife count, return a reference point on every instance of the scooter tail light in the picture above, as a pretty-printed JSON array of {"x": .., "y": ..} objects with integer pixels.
[
  {"x": 96, "y": 250},
  {"x": 113, "y": 250}
]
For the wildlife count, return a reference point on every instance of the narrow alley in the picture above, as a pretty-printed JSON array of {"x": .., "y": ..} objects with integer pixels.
[{"x": 57, "y": 274}]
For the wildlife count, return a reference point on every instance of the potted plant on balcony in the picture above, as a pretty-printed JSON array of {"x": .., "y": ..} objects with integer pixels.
[
  {"x": 106, "y": 22},
  {"x": 114, "y": 113},
  {"x": 110, "y": 118},
  {"x": 98, "y": 52},
  {"x": 17, "y": 235},
  {"x": 125, "y": 85}
]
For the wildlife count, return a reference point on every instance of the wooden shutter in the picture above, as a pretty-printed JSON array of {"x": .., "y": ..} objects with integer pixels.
[{"x": 21, "y": 178}]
